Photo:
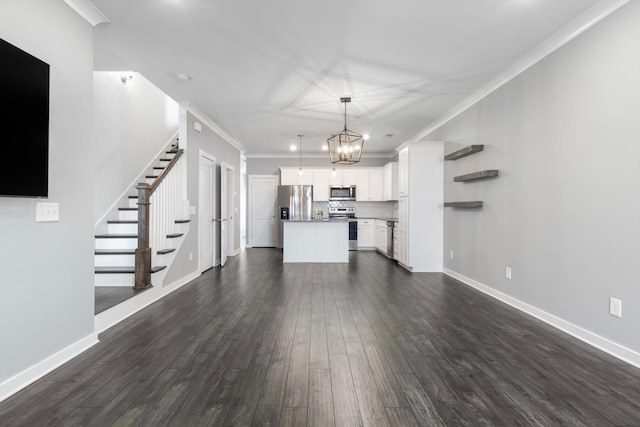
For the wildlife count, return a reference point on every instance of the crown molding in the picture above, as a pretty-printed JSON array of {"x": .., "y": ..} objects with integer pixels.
[
  {"x": 200, "y": 115},
  {"x": 313, "y": 156},
  {"x": 582, "y": 23},
  {"x": 87, "y": 11}
]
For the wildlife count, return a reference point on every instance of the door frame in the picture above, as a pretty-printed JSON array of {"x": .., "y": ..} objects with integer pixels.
[
  {"x": 227, "y": 200},
  {"x": 210, "y": 157},
  {"x": 250, "y": 205}
]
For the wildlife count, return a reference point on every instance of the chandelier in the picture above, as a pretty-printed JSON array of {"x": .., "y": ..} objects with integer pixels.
[{"x": 345, "y": 147}]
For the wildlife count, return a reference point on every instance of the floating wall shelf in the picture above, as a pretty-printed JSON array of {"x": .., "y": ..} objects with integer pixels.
[
  {"x": 464, "y": 152},
  {"x": 489, "y": 173},
  {"x": 463, "y": 205}
]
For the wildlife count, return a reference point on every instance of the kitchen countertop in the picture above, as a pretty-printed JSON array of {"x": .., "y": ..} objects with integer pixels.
[
  {"x": 375, "y": 217},
  {"x": 317, "y": 220}
]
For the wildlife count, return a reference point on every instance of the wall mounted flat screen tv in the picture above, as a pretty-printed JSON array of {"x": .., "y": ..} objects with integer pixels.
[{"x": 24, "y": 123}]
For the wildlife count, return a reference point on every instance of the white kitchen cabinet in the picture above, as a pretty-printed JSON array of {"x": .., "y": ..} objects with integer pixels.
[
  {"x": 362, "y": 184},
  {"x": 390, "y": 181},
  {"x": 381, "y": 235},
  {"x": 289, "y": 176},
  {"x": 350, "y": 177},
  {"x": 366, "y": 234},
  {"x": 420, "y": 206},
  {"x": 376, "y": 182},
  {"x": 368, "y": 182},
  {"x": 403, "y": 172},
  {"x": 321, "y": 182},
  {"x": 400, "y": 231}
]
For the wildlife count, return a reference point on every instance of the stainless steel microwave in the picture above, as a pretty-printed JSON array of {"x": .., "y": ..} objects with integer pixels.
[{"x": 342, "y": 192}]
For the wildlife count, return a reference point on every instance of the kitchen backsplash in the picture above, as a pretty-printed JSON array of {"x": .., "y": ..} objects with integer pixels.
[{"x": 363, "y": 209}]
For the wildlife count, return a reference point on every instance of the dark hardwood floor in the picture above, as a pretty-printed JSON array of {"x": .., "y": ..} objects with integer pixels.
[
  {"x": 366, "y": 343},
  {"x": 110, "y": 296}
]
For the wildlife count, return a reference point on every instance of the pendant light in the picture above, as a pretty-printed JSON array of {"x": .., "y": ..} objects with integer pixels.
[
  {"x": 346, "y": 146},
  {"x": 300, "y": 171}
]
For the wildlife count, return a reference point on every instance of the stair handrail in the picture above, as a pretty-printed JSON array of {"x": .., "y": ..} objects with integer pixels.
[{"x": 142, "y": 277}]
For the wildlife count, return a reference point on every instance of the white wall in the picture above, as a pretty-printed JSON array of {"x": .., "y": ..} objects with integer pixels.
[
  {"x": 212, "y": 143},
  {"x": 564, "y": 213},
  {"x": 270, "y": 166},
  {"x": 46, "y": 269},
  {"x": 134, "y": 121}
]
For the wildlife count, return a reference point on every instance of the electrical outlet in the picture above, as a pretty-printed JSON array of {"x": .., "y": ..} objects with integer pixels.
[
  {"x": 507, "y": 273},
  {"x": 615, "y": 307},
  {"x": 451, "y": 254}
]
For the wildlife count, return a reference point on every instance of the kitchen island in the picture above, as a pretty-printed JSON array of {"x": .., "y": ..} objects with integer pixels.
[{"x": 315, "y": 241}]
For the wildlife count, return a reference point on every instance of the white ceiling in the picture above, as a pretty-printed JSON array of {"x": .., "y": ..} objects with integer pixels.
[{"x": 267, "y": 70}]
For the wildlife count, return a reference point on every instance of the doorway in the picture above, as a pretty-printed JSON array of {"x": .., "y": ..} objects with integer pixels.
[
  {"x": 263, "y": 197},
  {"x": 227, "y": 211},
  {"x": 206, "y": 211}
]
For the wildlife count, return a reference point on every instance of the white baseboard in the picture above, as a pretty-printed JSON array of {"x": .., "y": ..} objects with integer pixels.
[
  {"x": 616, "y": 350},
  {"x": 39, "y": 370},
  {"x": 118, "y": 313},
  {"x": 237, "y": 252}
]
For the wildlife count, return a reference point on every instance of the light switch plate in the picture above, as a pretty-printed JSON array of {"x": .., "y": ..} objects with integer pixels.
[
  {"x": 47, "y": 212},
  {"x": 615, "y": 307}
]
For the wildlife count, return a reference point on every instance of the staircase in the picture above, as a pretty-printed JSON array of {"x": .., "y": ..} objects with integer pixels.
[{"x": 115, "y": 249}]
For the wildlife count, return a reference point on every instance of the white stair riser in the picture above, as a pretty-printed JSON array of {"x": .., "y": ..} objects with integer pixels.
[
  {"x": 133, "y": 203},
  {"x": 128, "y": 215},
  {"x": 150, "y": 180},
  {"x": 114, "y": 260},
  {"x": 117, "y": 243},
  {"x": 122, "y": 229},
  {"x": 114, "y": 279}
]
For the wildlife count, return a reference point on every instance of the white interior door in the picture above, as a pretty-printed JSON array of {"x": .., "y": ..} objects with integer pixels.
[
  {"x": 206, "y": 215},
  {"x": 263, "y": 198},
  {"x": 224, "y": 215},
  {"x": 231, "y": 210}
]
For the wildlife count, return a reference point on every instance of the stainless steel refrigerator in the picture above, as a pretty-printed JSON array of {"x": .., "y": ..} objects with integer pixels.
[{"x": 295, "y": 202}]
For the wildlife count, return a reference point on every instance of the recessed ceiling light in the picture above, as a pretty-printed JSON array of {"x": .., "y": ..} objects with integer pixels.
[
  {"x": 293, "y": 147},
  {"x": 365, "y": 136}
]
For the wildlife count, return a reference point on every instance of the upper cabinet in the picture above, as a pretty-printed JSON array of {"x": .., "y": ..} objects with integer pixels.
[
  {"x": 289, "y": 176},
  {"x": 390, "y": 181},
  {"x": 322, "y": 179},
  {"x": 403, "y": 172},
  {"x": 370, "y": 182}
]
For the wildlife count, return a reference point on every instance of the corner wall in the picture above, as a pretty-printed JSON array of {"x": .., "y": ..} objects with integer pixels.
[
  {"x": 564, "y": 212},
  {"x": 46, "y": 269}
]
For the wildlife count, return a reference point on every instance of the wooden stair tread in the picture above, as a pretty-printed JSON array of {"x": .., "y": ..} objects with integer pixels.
[
  {"x": 182, "y": 221},
  {"x": 122, "y": 221},
  {"x": 125, "y": 270},
  {"x": 115, "y": 270},
  {"x": 127, "y": 209},
  {"x": 165, "y": 251},
  {"x": 116, "y": 236},
  {"x": 115, "y": 251},
  {"x": 174, "y": 235},
  {"x": 151, "y": 176}
]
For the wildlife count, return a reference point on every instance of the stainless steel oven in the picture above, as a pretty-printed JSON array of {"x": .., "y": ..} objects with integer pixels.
[
  {"x": 339, "y": 192},
  {"x": 348, "y": 214}
]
